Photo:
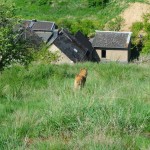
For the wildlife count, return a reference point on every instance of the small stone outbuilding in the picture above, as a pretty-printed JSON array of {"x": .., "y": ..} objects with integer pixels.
[{"x": 112, "y": 46}]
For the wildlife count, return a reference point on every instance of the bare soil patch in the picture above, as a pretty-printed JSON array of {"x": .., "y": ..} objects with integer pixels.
[{"x": 134, "y": 13}]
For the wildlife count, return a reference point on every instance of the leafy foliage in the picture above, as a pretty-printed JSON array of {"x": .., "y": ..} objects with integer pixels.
[
  {"x": 94, "y": 3},
  {"x": 87, "y": 27},
  {"x": 44, "y": 2},
  {"x": 44, "y": 55},
  {"x": 12, "y": 49},
  {"x": 141, "y": 34},
  {"x": 16, "y": 49},
  {"x": 115, "y": 24}
]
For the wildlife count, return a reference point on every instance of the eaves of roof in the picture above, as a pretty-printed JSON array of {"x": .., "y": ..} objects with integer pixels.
[
  {"x": 111, "y": 40},
  {"x": 109, "y": 48}
]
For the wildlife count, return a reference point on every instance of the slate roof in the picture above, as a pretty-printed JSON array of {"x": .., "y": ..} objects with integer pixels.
[
  {"x": 45, "y": 30},
  {"x": 111, "y": 40},
  {"x": 44, "y": 35},
  {"x": 74, "y": 47},
  {"x": 43, "y": 26},
  {"x": 84, "y": 41},
  {"x": 75, "y": 40},
  {"x": 39, "y": 25}
]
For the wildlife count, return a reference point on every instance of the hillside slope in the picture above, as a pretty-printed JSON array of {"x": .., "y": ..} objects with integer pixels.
[
  {"x": 39, "y": 108},
  {"x": 134, "y": 13},
  {"x": 73, "y": 14}
]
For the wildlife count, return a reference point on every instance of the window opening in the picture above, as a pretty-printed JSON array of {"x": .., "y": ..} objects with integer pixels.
[{"x": 103, "y": 53}]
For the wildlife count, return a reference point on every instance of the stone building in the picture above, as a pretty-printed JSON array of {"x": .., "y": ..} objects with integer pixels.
[{"x": 112, "y": 46}]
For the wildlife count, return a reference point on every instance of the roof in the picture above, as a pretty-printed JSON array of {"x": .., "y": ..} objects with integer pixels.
[
  {"x": 44, "y": 35},
  {"x": 84, "y": 41},
  {"x": 45, "y": 30},
  {"x": 72, "y": 46},
  {"x": 79, "y": 39},
  {"x": 39, "y": 25},
  {"x": 53, "y": 37},
  {"x": 74, "y": 40},
  {"x": 111, "y": 40},
  {"x": 42, "y": 26}
]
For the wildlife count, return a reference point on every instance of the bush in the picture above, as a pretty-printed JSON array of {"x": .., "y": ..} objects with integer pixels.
[
  {"x": 87, "y": 27},
  {"x": 146, "y": 48},
  {"x": 147, "y": 27},
  {"x": 115, "y": 25},
  {"x": 42, "y": 2},
  {"x": 45, "y": 56},
  {"x": 142, "y": 29},
  {"x": 137, "y": 27},
  {"x": 95, "y": 3}
]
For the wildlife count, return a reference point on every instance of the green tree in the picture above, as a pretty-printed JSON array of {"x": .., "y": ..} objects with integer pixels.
[{"x": 12, "y": 48}]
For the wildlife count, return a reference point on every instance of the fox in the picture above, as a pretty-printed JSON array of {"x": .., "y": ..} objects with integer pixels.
[{"x": 80, "y": 79}]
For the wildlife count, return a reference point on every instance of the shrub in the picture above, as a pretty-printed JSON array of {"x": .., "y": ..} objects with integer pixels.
[
  {"x": 136, "y": 27},
  {"x": 44, "y": 2},
  {"x": 95, "y": 3},
  {"x": 147, "y": 27},
  {"x": 115, "y": 25},
  {"x": 146, "y": 48},
  {"x": 87, "y": 27},
  {"x": 45, "y": 56},
  {"x": 142, "y": 27}
]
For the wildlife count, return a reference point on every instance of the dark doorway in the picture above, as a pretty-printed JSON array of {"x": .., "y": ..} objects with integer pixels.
[{"x": 103, "y": 53}]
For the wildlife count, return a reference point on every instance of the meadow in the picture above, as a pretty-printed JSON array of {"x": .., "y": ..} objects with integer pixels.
[{"x": 39, "y": 109}]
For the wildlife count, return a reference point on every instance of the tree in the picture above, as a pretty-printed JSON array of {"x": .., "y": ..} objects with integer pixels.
[{"x": 12, "y": 48}]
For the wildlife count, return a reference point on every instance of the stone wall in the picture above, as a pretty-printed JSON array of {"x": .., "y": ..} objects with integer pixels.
[{"x": 114, "y": 55}]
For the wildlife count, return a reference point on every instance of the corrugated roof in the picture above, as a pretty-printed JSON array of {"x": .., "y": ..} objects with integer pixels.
[{"x": 111, "y": 39}]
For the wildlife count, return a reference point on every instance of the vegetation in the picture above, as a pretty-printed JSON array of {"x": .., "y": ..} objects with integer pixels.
[
  {"x": 115, "y": 24},
  {"x": 40, "y": 110},
  {"x": 44, "y": 56},
  {"x": 75, "y": 15},
  {"x": 12, "y": 49},
  {"x": 95, "y": 3},
  {"x": 141, "y": 34}
]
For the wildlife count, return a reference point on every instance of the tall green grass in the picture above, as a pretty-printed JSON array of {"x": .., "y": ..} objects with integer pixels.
[{"x": 39, "y": 109}]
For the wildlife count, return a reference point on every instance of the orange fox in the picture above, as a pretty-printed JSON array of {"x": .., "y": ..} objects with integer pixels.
[{"x": 80, "y": 79}]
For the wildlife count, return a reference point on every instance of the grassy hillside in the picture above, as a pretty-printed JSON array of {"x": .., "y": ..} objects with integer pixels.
[
  {"x": 40, "y": 110},
  {"x": 76, "y": 15},
  {"x": 69, "y": 9}
]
